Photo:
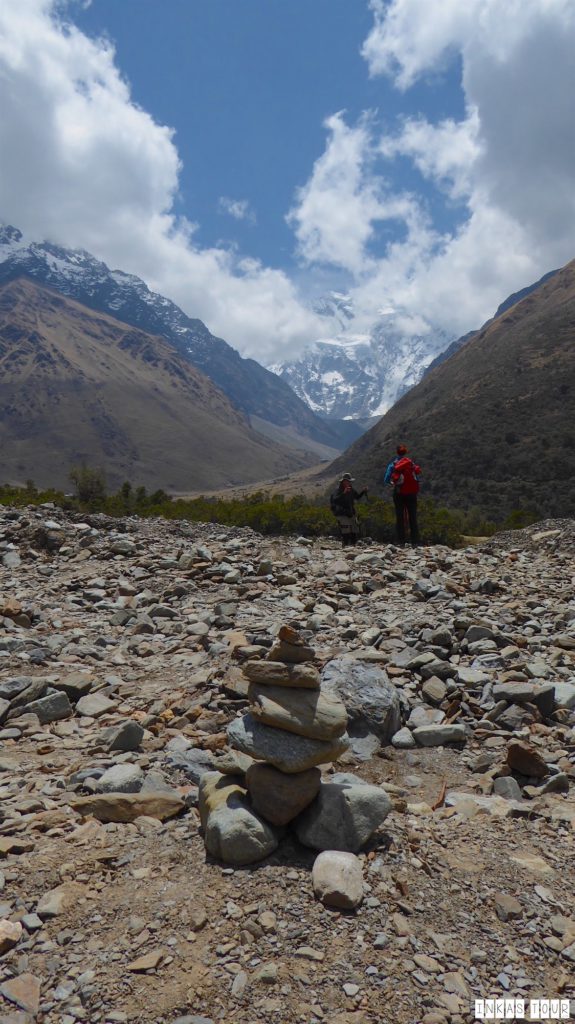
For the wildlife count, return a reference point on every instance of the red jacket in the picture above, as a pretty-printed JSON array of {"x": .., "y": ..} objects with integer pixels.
[{"x": 405, "y": 476}]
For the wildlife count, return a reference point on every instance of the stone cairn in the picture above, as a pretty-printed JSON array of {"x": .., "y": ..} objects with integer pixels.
[{"x": 271, "y": 779}]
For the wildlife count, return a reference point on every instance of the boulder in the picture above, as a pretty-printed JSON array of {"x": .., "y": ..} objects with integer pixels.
[
  {"x": 309, "y": 713},
  {"x": 371, "y": 701},
  {"x": 337, "y": 879},
  {"x": 279, "y": 797},
  {"x": 284, "y": 750},
  {"x": 343, "y": 816},
  {"x": 233, "y": 832}
]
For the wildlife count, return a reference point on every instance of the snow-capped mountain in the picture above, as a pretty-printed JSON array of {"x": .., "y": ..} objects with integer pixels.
[
  {"x": 257, "y": 392},
  {"x": 359, "y": 375}
]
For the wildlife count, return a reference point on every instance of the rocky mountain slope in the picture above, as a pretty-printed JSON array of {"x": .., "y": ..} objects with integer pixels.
[
  {"x": 493, "y": 425},
  {"x": 253, "y": 389},
  {"x": 359, "y": 375},
  {"x": 80, "y": 386},
  {"x": 122, "y": 646}
]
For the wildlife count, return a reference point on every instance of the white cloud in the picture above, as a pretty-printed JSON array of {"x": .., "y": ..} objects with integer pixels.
[
  {"x": 239, "y": 209},
  {"x": 508, "y": 164},
  {"x": 445, "y": 153},
  {"x": 84, "y": 166},
  {"x": 339, "y": 209}
]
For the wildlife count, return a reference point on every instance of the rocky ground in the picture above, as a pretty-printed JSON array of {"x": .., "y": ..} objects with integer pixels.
[{"x": 121, "y": 646}]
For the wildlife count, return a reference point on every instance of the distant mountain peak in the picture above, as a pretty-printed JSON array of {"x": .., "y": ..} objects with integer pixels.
[{"x": 358, "y": 374}]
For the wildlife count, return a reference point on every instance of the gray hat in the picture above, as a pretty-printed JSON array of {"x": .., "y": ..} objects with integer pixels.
[{"x": 348, "y": 476}]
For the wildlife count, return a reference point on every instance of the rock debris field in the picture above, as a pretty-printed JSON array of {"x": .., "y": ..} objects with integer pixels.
[{"x": 247, "y": 779}]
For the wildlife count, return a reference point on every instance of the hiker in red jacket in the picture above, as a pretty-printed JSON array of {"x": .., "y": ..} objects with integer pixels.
[{"x": 405, "y": 479}]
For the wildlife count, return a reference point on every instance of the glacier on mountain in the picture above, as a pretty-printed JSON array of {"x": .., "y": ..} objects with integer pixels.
[{"x": 361, "y": 374}]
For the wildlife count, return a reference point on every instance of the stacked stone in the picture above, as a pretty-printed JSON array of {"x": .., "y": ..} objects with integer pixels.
[{"x": 293, "y": 726}]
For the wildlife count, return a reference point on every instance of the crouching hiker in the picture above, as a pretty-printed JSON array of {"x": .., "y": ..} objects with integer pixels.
[
  {"x": 342, "y": 504},
  {"x": 404, "y": 474}
]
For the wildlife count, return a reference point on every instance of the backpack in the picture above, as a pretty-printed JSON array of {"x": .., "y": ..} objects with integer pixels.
[
  {"x": 335, "y": 503},
  {"x": 408, "y": 476},
  {"x": 389, "y": 470}
]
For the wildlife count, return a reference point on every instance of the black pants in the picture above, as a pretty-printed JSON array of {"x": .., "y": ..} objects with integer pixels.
[
  {"x": 348, "y": 540},
  {"x": 406, "y": 508}
]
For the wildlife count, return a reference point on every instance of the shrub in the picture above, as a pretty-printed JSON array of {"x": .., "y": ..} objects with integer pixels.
[{"x": 90, "y": 485}]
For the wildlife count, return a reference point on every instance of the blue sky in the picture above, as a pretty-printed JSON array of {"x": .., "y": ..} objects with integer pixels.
[
  {"x": 247, "y": 85},
  {"x": 244, "y": 156}
]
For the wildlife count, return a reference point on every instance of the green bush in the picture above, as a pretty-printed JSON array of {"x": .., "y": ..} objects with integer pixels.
[
  {"x": 90, "y": 485},
  {"x": 267, "y": 514}
]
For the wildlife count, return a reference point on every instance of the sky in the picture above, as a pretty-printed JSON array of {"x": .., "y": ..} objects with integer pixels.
[{"x": 244, "y": 157}]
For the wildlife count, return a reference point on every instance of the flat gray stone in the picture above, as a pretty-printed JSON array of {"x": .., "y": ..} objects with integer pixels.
[
  {"x": 471, "y": 678},
  {"x": 121, "y": 778},
  {"x": 75, "y": 685},
  {"x": 311, "y": 713},
  {"x": 439, "y": 735},
  {"x": 126, "y": 737},
  {"x": 343, "y": 817},
  {"x": 364, "y": 747},
  {"x": 276, "y": 673},
  {"x": 424, "y": 715},
  {"x": 34, "y": 691},
  {"x": 284, "y": 750},
  {"x": 193, "y": 1019},
  {"x": 565, "y": 695},
  {"x": 233, "y": 762},
  {"x": 10, "y": 688},
  {"x": 52, "y": 708},
  {"x": 515, "y": 693},
  {"x": 193, "y": 763},
  {"x": 508, "y": 788},
  {"x": 94, "y": 705}
]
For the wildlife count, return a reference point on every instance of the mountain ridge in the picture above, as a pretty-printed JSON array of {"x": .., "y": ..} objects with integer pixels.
[
  {"x": 254, "y": 389},
  {"x": 77, "y": 385}
]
